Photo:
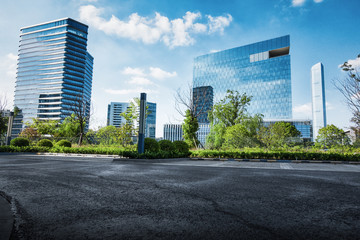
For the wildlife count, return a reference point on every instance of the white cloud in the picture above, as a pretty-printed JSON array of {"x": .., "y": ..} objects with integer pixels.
[
  {"x": 140, "y": 81},
  {"x": 303, "y": 111},
  {"x": 8, "y": 77},
  {"x": 214, "y": 50},
  {"x": 329, "y": 106},
  {"x": 217, "y": 24},
  {"x": 173, "y": 33},
  {"x": 355, "y": 63},
  {"x": 158, "y": 73},
  {"x": 128, "y": 91},
  {"x": 133, "y": 71},
  {"x": 297, "y": 3}
]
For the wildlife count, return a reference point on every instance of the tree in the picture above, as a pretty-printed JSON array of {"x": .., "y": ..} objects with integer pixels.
[
  {"x": 30, "y": 133},
  {"x": 192, "y": 103},
  {"x": 190, "y": 128},
  {"x": 69, "y": 128},
  {"x": 3, "y": 119},
  {"x": 243, "y": 134},
  {"x": 349, "y": 87},
  {"x": 331, "y": 136},
  {"x": 278, "y": 134},
  {"x": 228, "y": 112},
  {"x": 108, "y": 135},
  {"x": 45, "y": 127},
  {"x": 81, "y": 115}
]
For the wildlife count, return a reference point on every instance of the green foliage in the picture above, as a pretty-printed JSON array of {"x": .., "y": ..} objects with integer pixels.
[
  {"x": 151, "y": 145},
  {"x": 45, "y": 143},
  {"x": 29, "y": 133},
  {"x": 63, "y": 143},
  {"x": 331, "y": 136},
  {"x": 228, "y": 112},
  {"x": 166, "y": 145},
  {"x": 108, "y": 135},
  {"x": 155, "y": 155},
  {"x": 278, "y": 155},
  {"x": 190, "y": 127},
  {"x": 49, "y": 127},
  {"x": 243, "y": 134},
  {"x": 3, "y": 124},
  {"x": 69, "y": 128},
  {"x": 181, "y": 146},
  {"x": 279, "y": 134},
  {"x": 20, "y": 142}
]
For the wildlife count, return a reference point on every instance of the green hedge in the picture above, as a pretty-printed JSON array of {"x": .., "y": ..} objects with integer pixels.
[
  {"x": 277, "y": 155},
  {"x": 20, "y": 142}
]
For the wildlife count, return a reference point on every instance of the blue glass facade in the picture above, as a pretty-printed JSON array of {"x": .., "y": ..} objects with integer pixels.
[
  {"x": 54, "y": 70},
  {"x": 203, "y": 98},
  {"x": 261, "y": 70},
  {"x": 116, "y": 108}
]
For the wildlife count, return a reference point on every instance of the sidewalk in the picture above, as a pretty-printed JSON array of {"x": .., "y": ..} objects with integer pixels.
[{"x": 6, "y": 219}]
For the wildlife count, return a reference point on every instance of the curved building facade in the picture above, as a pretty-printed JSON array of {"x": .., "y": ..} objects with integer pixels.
[{"x": 54, "y": 71}]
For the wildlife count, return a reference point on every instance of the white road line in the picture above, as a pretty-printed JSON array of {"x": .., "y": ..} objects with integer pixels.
[{"x": 285, "y": 166}]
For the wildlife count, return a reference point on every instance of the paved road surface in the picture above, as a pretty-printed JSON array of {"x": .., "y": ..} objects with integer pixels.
[{"x": 83, "y": 198}]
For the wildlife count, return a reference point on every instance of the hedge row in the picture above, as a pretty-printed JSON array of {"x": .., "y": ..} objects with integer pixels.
[
  {"x": 276, "y": 155},
  {"x": 92, "y": 150}
]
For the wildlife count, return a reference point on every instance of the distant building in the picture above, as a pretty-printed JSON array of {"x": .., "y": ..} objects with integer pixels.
[
  {"x": 114, "y": 111},
  {"x": 114, "y": 118},
  {"x": 318, "y": 98},
  {"x": 173, "y": 132},
  {"x": 54, "y": 71},
  {"x": 202, "y": 133},
  {"x": 303, "y": 126},
  {"x": 203, "y": 98},
  {"x": 261, "y": 70}
]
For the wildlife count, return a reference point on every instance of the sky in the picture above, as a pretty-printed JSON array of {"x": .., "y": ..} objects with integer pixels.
[{"x": 149, "y": 46}]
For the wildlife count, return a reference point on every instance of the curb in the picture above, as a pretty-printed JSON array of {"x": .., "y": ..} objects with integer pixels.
[
  {"x": 6, "y": 219},
  {"x": 274, "y": 160},
  {"x": 78, "y": 155}
]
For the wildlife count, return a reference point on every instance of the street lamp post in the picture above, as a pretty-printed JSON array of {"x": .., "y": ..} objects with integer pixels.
[{"x": 141, "y": 139}]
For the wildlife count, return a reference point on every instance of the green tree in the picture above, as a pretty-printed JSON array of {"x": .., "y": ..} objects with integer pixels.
[
  {"x": 228, "y": 112},
  {"x": 3, "y": 119},
  {"x": 69, "y": 128},
  {"x": 44, "y": 127},
  {"x": 278, "y": 134},
  {"x": 243, "y": 134},
  {"x": 190, "y": 127},
  {"x": 331, "y": 136},
  {"x": 108, "y": 135}
]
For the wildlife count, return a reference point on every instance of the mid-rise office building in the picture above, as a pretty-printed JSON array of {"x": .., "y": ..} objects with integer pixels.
[
  {"x": 54, "y": 72},
  {"x": 173, "y": 132},
  {"x": 115, "y": 119},
  {"x": 303, "y": 126},
  {"x": 203, "y": 98},
  {"x": 318, "y": 98},
  {"x": 261, "y": 70}
]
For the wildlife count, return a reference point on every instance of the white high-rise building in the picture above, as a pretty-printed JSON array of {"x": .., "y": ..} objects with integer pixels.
[{"x": 318, "y": 98}]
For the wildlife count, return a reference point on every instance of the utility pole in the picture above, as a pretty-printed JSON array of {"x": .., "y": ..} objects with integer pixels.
[
  {"x": 141, "y": 139},
  {"x": 8, "y": 133}
]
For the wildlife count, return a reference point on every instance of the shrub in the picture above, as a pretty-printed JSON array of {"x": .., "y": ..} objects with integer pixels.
[
  {"x": 151, "y": 145},
  {"x": 20, "y": 142},
  {"x": 45, "y": 143},
  {"x": 166, "y": 145},
  {"x": 181, "y": 146},
  {"x": 63, "y": 143}
]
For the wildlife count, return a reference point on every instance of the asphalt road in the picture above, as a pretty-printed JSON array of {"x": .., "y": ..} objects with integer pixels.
[{"x": 84, "y": 198}]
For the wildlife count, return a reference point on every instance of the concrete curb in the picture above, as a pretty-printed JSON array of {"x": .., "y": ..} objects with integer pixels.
[
  {"x": 6, "y": 219},
  {"x": 79, "y": 155},
  {"x": 274, "y": 160}
]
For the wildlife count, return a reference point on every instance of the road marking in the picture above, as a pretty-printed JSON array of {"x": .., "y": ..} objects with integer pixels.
[{"x": 285, "y": 166}]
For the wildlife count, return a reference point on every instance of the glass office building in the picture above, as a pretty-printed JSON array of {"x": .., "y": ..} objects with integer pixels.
[
  {"x": 303, "y": 126},
  {"x": 261, "y": 70},
  {"x": 318, "y": 98},
  {"x": 116, "y": 108},
  {"x": 54, "y": 71},
  {"x": 173, "y": 132},
  {"x": 203, "y": 98}
]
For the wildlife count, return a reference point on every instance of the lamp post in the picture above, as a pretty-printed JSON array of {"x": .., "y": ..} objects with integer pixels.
[
  {"x": 141, "y": 139},
  {"x": 8, "y": 133}
]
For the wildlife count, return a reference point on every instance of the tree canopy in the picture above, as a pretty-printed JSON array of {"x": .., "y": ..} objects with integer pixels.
[{"x": 331, "y": 136}]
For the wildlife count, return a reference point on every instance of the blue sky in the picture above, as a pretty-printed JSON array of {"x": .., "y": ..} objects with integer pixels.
[{"x": 142, "y": 45}]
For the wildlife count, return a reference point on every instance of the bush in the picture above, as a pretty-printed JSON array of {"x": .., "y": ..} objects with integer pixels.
[
  {"x": 20, "y": 142},
  {"x": 45, "y": 143},
  {"x": 166, "y": 145},
  {"x": 181, "y": 146},
  {"x": 63, "y": 143},
  {"x": 151, "y": 145}
]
